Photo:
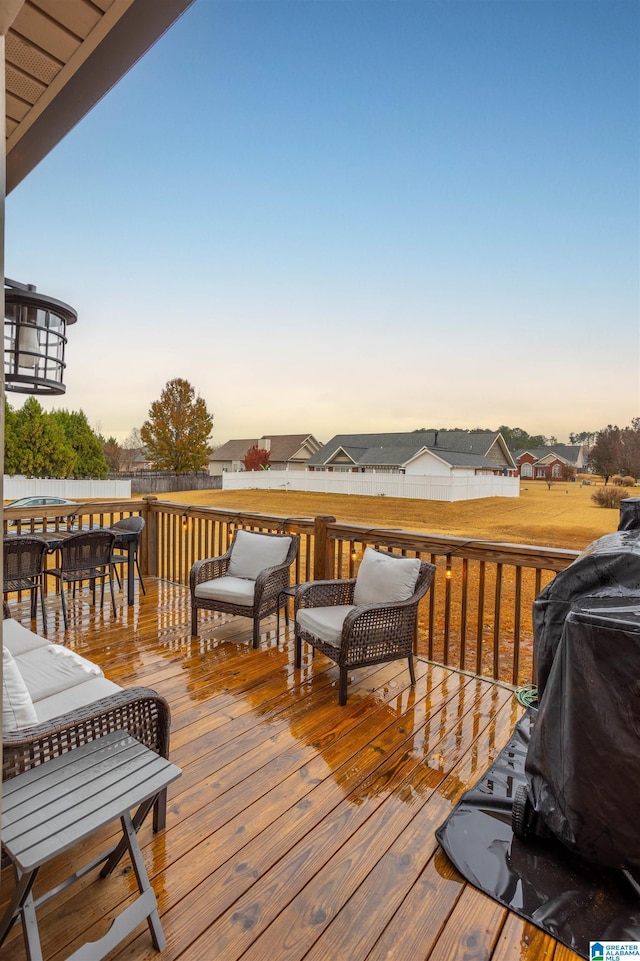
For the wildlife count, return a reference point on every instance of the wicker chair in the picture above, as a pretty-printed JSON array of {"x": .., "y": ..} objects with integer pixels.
[
  {"x": 85, "y": 557},
  {"x": 24, "y": 560},
  {"x": 139, "y": 711},
  {"x": 247, "y": 580},
  {"x": 331, "y": 617},
  {"x": 120, "y": 556}
]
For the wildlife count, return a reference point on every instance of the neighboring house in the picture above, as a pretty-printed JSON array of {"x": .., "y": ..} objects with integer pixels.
[
  {"x": 285, "y": 451},
  {"x": 440, "y": 452},
  {"x": 535, "y": 462}
]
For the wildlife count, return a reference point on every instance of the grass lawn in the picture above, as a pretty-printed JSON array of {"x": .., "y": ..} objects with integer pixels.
[{"x": 564, "y": 516}]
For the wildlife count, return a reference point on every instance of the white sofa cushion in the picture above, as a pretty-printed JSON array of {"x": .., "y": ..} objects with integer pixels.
[
  {"x": 253, "y": 552},
  {"x": 231, "y": 590},
  {"x": 19, "y": 639},
  {"x": 383, "y": 578},
  {"x": 17, "y": 707},
  {"x": 77, "y": 696},
  {"x": 54, "y": 668},
  {"x": 324, "y": 622}
]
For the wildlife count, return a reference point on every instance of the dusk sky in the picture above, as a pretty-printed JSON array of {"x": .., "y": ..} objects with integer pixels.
[{"x": 345, "y": 216}]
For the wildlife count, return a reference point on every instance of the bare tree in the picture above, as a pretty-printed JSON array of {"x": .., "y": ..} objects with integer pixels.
[{"x": 130, "y": 450}]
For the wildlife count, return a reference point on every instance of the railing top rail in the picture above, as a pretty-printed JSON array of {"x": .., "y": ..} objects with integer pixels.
[
  {"x": 77, "y": 508},
  {"x": 548, "y": 558},
  {"x": 229, "y": 516}
]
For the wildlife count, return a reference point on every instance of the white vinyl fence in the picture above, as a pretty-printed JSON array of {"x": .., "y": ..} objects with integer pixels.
[
  {"x": 15, "y": 486},
  {"x": 427, "y": 487}
]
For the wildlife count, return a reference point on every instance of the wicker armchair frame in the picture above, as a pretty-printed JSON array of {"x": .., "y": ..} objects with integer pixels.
[
  {"x": 23, "y": 570},
  {"x": 371, "y": 633},
  {"x": 269, "y": 585}
]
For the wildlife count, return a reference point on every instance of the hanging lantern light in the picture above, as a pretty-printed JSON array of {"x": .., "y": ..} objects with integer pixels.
[{"x": 35, "y": 337}]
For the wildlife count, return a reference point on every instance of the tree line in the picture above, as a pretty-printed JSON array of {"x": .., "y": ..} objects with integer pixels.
[
  {"x": 61, "y": 443},
  {"x": 176, "y": 436},
  {"x": 616, "y": 451},
  {"x": 58, "y": 443}
]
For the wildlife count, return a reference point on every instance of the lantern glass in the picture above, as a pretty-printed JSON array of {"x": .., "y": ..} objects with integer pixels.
[{"x": 34, "y": 340}]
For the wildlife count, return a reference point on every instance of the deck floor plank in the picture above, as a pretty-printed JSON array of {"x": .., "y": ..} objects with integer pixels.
[{"x": 298, "y": 829}]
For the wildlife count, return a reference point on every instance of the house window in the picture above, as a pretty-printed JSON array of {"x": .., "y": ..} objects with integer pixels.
[
  {"x": 526, "y": 470},
  {"x": 556, "y": 470}
]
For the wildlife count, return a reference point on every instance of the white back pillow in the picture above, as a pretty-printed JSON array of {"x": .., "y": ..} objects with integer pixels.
[
  {"x": 253, "y": 552},
  {"x": 383, "y": 578},
  {"x": 17, "y": 706}
]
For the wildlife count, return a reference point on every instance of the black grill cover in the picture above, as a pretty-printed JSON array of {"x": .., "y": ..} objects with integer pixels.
[
  {"x": 608, "y": 567},
  {"x": 583, "y": 762},
  {"x": 629, "y": 514}
]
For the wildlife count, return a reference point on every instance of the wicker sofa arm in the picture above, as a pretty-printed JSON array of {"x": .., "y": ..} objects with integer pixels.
[
  {"x": 137, "y": 710},
  {"x": 325, "y": 593}
]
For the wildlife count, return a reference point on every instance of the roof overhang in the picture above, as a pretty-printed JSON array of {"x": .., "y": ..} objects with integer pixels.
[{"x": 61, "y": 58}]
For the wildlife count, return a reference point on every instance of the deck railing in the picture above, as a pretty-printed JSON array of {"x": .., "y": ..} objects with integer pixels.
[{"x": 476, "y": 618}]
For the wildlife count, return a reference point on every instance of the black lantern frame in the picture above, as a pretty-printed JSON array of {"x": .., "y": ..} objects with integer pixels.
[{"x": 35, "y": 338}]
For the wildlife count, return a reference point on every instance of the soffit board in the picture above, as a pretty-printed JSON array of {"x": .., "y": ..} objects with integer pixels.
[{"x": 61, "y": 58}]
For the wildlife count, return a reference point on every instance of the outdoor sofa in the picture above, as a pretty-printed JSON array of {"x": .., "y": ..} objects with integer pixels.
[{"x": 54, "y": 700}]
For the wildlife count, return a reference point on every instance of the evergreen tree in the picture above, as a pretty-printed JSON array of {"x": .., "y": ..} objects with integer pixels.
[
  {"x": 43, "y": 450},
  {"x": 11, "y": 440},
  {"x": 89, "y": 456}
]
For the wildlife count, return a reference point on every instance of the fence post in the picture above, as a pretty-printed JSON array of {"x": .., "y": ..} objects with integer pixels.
[
  {"x": 149, "y": 545},
  {"x": 322, "y": 556}
]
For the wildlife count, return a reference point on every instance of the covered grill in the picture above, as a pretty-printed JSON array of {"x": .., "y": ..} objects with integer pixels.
[{"x": 583, "y": 761}]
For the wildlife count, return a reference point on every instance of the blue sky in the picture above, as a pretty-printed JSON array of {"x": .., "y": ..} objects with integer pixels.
[{"x": 341, "y": 216}]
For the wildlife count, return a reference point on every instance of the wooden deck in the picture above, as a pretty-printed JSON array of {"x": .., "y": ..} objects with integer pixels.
[{"x": 298, "y": 829}]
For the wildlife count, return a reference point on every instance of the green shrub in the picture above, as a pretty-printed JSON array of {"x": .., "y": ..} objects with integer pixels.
[{"x": 610, "y": 496}]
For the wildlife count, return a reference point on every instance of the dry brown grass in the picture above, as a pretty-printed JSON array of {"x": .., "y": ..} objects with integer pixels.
[{"x": 564, "y": 516}]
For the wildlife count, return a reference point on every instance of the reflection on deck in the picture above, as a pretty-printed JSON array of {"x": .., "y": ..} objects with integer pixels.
[{"x": 299, "y": 829}]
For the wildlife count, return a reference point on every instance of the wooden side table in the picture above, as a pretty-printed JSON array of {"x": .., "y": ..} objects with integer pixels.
[{"x": 57, "y": 804}]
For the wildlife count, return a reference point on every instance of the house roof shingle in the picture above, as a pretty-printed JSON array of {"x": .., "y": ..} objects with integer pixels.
[
  {"x": 283, "y": 447},
  {"x": 458, "y": 448}
]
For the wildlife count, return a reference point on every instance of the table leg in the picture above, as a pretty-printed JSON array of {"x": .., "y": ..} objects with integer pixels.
[
  {"x": 153, "y": 918},
  {"x": 131, "y": 550},
  {"x": 22, "y": 905}
]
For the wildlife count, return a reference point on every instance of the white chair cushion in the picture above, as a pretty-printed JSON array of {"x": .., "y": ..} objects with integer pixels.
[
  {"x": 78, "y": 696},
  {"x": 324, "y": 622},
  {"x": 383, "y": 578},
  {"x": 19, "y": 639},
  {"x": 231, "y": 590},
  {"x": 54, "y": 668},
  {"x": 17, "y": 707},
  {"x": 254, "y": 552}
]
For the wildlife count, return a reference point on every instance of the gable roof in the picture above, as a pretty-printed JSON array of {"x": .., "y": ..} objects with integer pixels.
[
  {"x": 570, "y": 454},
  {"x": 283, "y": 447},
  {"x": 457, "y": 448}
]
